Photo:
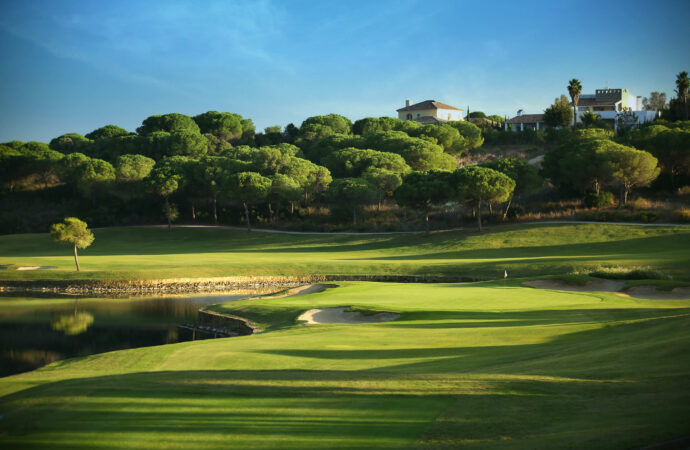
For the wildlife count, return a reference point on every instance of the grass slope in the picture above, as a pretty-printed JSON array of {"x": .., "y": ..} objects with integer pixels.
[
  {"x": 477, "y": 365},
  {"x": 525, "y": 250}
]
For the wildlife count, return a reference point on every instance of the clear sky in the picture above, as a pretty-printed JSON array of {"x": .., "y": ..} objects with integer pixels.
[{"x": 73, "y": 66}]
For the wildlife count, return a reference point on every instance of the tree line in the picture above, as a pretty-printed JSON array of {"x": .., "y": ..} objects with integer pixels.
[
  {"x": 218, "y": 157},
  {"x": 216, "y": 160}
]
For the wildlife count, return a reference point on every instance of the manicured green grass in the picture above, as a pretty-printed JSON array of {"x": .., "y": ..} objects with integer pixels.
[
  {"x": 524, "y": 250},
  {"x": 476, "y": 365}
]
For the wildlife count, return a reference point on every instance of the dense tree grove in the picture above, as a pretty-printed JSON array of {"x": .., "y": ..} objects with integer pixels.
[{"x": 215, "y": 168}]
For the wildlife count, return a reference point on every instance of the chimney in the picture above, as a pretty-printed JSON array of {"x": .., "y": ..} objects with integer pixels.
[
  {"x": 519, "y": 113},
  {"x": 407, "y": 103}
]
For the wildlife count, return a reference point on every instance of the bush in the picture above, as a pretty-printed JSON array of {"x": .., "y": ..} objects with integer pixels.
[
  {"x": 683, "y": 191},
  {"x": 600, "y": 200},
  {"x": 619, "y": 215},
  {"x": 682, "y": 214},
  {"x": 646, "y": 216},
  {"x": 629, "y": 273}
]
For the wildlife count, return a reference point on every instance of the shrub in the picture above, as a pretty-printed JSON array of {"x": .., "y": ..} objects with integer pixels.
[
  {"x": 602, "y": 199},
  {"x": 629, "y": 273},
  {"x": 683, "y": 191},
  {"x": 682, "y": 214}
]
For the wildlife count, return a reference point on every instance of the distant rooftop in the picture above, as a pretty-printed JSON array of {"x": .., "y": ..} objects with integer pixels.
[
  {"x": 428, "y": 104},
  {"x": 527, "y": 118}
]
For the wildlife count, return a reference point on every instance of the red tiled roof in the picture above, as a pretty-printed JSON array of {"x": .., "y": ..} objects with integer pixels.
[
  {"x": 527, "y": 118},
  {"x": 428, "y": 104}
]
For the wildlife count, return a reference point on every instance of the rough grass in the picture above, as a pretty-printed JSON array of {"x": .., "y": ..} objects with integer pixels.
[
  {"x": 524, "y": 250},
  {"x": 466, "y": 365}
]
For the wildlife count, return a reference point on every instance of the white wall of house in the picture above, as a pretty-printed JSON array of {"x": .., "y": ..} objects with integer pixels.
[
  {"x": 409, "y": 115},
  {"x": 449, "y": 114},
  {"x": 444, "y": 114}
]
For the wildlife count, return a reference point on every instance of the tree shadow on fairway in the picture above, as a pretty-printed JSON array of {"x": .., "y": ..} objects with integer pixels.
[
  {"x": 618, "y": 387},
  {"x": 618, "y": 249},
  {"x": 486, "y": 319}
]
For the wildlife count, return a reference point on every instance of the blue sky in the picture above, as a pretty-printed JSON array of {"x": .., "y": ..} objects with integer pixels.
[{"x": 73, "y": 66}]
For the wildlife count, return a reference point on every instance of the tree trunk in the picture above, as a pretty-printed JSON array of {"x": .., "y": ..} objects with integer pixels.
[
  {"x": 574, "y": 116},
  {"x": 76, "y": 258},
  {"x": 270, "y": 212},
  {"x": 167, "y": 212},
  {"x": 354, "y": 215},
  {"x": 215, "y": 210},
  {"x": 597, "y": 187},
  {"x": 426, "y": 223},
  {"x": 292, "y": 208},
  {"x": 246, "y": 217},
  {"x": 479, "y": 215},
  {"x": 505, "y": 214},
  {"x": 193, "y": 211}
]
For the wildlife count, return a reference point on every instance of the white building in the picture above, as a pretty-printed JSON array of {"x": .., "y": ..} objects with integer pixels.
[
  {"x": 609, "y": 103},
  {"x": 429, "y": 111}
]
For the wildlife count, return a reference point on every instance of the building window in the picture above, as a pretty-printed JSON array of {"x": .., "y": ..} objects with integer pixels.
[
  {"x": 417, "y": 114},
  {"x": 409, "y": 117}
]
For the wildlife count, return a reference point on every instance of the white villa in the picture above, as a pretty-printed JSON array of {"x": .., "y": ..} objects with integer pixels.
[
  {"x": 608, "y": 103},
  {"x": 429, "y": 112}
]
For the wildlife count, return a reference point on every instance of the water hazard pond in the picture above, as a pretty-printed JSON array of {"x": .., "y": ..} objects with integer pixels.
[{"x": 35, "y": 331}]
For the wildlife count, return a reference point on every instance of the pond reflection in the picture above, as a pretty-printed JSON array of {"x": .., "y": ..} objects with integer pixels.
[
  {"x": 35, "y": 331},
  {"x": 72, "y": 324}
]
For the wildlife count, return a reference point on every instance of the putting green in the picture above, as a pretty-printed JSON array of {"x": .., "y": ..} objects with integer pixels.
[{"x": 477, "y": 365}]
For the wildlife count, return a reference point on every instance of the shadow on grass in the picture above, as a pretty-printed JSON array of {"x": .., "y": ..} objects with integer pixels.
[{"x": 499, "y": 392}]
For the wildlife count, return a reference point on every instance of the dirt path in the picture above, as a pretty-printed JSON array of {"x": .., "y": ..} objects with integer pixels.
[{"x": 340, "y": 315}]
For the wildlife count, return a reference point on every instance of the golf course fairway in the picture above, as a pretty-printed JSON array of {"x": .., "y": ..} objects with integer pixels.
[
  {"x": 476, "y": 365},
  {"x": 135, "y": 253},
  {"x": 491, "y": 364}
]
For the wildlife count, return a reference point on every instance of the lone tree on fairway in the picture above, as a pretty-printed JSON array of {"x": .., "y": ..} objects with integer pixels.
[
  {"x": 574, "y": 89},
  {"x": 73, "y": 231}
]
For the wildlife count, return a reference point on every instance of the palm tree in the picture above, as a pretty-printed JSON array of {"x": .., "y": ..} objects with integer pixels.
[
  {"x": 682, "y": 86},
  {"x": 574, "y": 89}
]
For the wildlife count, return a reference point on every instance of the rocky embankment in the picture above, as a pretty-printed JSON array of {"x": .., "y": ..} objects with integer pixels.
[{"x": 218, "y": 284}]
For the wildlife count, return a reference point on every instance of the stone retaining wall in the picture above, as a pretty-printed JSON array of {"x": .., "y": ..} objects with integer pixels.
[
  {"x": 191, "y": 285},
  {"x": 229, "y": 324}
]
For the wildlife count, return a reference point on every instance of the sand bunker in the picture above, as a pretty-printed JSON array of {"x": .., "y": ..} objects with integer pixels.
[
  {"x": 36, "y": 267},
  {"x": 590, "y": 286},
  {"x": 652, "y": 293},
  {"x": 340, "y": 315}
]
